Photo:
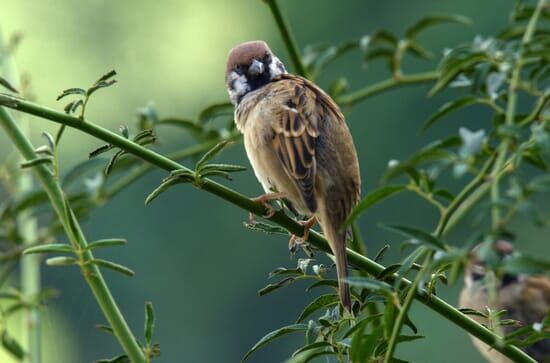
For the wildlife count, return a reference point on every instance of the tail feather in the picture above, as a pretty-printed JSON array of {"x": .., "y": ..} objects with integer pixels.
[{"x": 337, "y": 241}]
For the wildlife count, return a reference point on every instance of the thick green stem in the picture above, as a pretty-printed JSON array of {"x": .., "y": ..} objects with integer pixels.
[
  {"x": 91, "y": 272},
  {"x": 433, "y": 302},
  {"x": 290, "y": 43},
  {"x": 352, "y": 98}
]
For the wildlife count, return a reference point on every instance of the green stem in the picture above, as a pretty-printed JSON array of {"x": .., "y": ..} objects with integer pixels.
[
  {"x": 411, "y": 294},
  {"x": 91, "y": 272},
  {"x": 441, "y": 307},
  {"x": 352, "y": 98},
  {"x": 462, "y": 196},
  {"x": 511, "y": 113},
  {"x": 28, "y": 229},
  {"x": 290, "y": 43}
]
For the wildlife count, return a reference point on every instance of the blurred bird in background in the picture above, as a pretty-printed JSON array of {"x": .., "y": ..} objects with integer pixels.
[
  {"x": 298, "y": 144},
  {"x": 524, "y": 298}
]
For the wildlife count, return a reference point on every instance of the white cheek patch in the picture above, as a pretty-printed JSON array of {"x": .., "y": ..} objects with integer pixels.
[
  {"x": 239, "y": 87},
  {"x": 276, "y": 67}
]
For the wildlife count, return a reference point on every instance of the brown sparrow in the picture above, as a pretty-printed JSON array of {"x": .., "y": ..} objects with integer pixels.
[
  {"x": 298, "y": 144},
  {"x": 525, "y": 299}
]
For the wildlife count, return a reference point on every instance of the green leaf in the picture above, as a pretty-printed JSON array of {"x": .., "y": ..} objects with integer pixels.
[
  {"x": 372, "y": 198},
  {"x": 100, "y": 150},
  {"x": 211, "y": 153},
  {"x": 311, "y": 346},
  {"x": 6, "y": 84},
  {"x": 12, "y": 346},
  {"x": 71, "y": 91},
  {"x": 222, "y": 167},
  {"x": 417, "y": 234},
  {"x": 328, "y": 283},
  {"x": 388, "y": 271},
  {"x": 474, "y": 312},
  {"x": 118, "y": 359},
  {"x": 433, "y": 20},
  {"x": 61, "y": 261},
  {"x": 272, "y": 287},
  {"x": 38, "y": 161},
  {"x": 113, "y": 160},
  {"x": 448, "y": 73},
  {"x": 165, "y": 185},
  {"x": 113, "y": 266},
  {"x": 102, "y": 243},
  {"x": 518, "y": 264},
  {"x": 294, "y": 328},
  {"x": 381, "y": 349},
  {"x": 189, "y": 125},
  {"x": 106, "y": 76},
  {"x": 320, "y": 302},
  {"x": 540, "y": 183},
  {"x": 450, "y": 107},
  {"x": 149, "y": 322},
  {"x": 49, "y": 248},
  {"x": 370, "y": 284},
  {"x": 380, "y": 254},
  {"x": 216, "y": 110}
]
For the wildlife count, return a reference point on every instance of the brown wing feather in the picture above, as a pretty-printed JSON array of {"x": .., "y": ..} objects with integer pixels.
[{"x": 296, "y": 136}]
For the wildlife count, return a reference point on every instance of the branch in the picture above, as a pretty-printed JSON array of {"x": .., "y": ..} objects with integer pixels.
[
  {"x": 316, "y": 239},
  {"x": 91, "y": 272},
  {"x": 290, "y": 43},
  {"x": 352, "y": 98}
]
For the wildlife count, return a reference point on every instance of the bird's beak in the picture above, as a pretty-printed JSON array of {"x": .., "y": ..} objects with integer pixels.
[{"x": 256, "y": 68}]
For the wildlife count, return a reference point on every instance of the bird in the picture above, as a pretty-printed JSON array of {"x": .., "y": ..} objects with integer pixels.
[
  {"x": 298, "y": 144},
  {"x": 524, "y": 298}
]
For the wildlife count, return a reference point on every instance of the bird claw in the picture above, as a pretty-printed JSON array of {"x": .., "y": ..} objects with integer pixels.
[
  {"x": 264, "y": 201},
  {"x": 296, "y": 241}
]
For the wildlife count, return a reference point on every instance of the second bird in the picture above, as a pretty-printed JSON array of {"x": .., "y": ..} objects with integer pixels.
[{"x": 298, "y": 143}]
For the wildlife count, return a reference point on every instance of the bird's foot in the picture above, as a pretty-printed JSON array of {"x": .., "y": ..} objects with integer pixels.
[
  {"x": 296, "y": 241},
  {"x": 264, "y": 201}
]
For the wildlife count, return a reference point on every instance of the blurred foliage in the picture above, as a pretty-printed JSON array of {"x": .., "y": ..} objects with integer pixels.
[{"x": 451, "y": 174}]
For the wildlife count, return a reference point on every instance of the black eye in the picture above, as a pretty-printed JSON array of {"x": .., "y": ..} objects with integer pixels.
[{"x": 238, "y": 68}]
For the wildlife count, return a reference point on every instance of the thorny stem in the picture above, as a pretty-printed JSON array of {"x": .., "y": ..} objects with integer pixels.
[
  {"x": 510, "y": 115},
  {"x": 290, "y": 43},
  {"x": 316, "y": 239},
  {"x": 91, "y": 272}
]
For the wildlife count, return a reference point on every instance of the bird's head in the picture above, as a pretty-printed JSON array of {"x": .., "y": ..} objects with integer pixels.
[
  {"x": 488, "y": 256},
  {"x": 250, "y": 66}
]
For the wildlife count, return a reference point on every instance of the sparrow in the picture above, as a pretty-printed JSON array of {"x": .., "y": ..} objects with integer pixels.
[
  {"x": 525, "y": 298},
  {"x": 298, "y": 144}
]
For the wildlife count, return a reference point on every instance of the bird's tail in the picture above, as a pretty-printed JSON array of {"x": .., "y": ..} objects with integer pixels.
[{"x": 337, "y": 241}]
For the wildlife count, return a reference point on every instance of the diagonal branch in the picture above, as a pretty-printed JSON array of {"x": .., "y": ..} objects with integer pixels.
[{"x": 316, "y": 239}]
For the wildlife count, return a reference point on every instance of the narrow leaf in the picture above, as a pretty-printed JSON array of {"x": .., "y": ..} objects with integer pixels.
[
  {"x": 162, "y": 188},
  {"x": 433, "y": 20},
  {"x": 7, "y": 85},
  {"x": 113, "y": 266},
  {"x": 417, "y": 234},
  {"x": 294, "y": 328},
  {"x": 12, "y": 346},
  {"x": 49, "y": 248},
  {"x": 71, "y": 91},
  {"x": 266, "y": 227},
  {"x": 118, "y": 359},
  {"x": 449, "y": 73},
  {"x": 211, "y": 153},
  {"x": 61, "y": 261},
  {"x": 320, "y": 302},
  {"x": 113, "y": 160},
  {"x": 450, "y": 107},
  {"x": 149, "y": 322},
  {"x": 371, "y": 199},
  {"x": 38, "y": 161},
  {"x": 272, "y": 287},
  {"x": 100, "y": 150},
  {"x": 102, "y": 243},
  {"x": 214, "y": 111}
]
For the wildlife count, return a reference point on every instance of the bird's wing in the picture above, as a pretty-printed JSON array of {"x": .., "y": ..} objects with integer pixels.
[{"x": 296, "y": 130}]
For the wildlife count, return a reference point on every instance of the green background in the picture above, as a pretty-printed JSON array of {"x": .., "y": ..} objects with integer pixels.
[{"x": 192, "y": 256}]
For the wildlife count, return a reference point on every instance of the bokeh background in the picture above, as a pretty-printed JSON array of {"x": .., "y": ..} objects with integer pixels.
[{"x": 192, "y": 256}]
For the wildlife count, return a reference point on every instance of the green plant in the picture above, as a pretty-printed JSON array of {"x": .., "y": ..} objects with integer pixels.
[{"x": 486, "y": 71}]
